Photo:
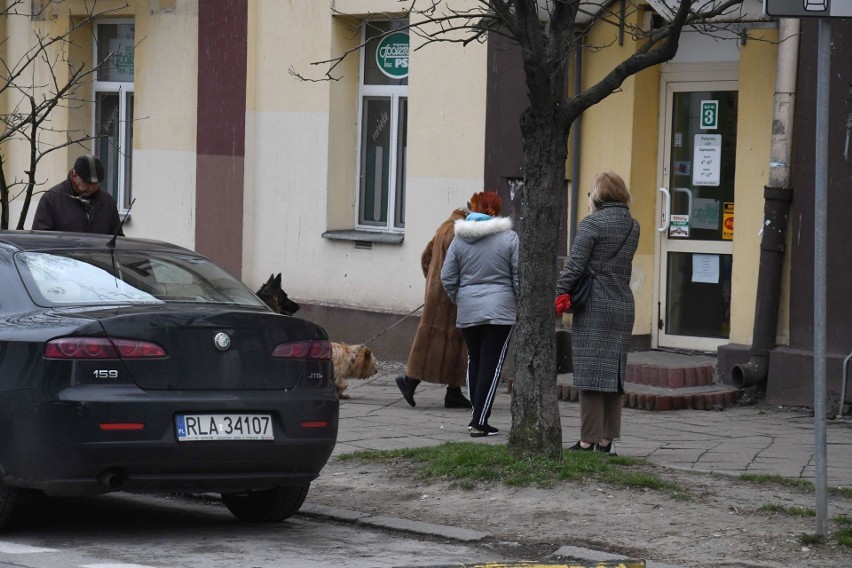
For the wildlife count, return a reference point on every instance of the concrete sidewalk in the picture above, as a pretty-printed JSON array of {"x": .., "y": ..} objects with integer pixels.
[{"x": 742, "y": 439}]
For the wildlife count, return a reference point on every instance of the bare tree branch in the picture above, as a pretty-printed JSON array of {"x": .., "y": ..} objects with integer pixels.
[{"x": 33, "y": 103}]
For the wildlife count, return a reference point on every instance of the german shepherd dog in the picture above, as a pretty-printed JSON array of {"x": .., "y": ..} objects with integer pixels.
[
  {"x": 276, "y": 298},
  {"x": 349, "y": 361}
]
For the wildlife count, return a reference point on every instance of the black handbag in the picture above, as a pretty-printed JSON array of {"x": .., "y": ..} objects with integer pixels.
[
  {"x": 582, "y": 287},
  {"x": 580, "y": 291}
]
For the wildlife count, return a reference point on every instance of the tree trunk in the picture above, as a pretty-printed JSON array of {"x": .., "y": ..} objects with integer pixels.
[
  {"x": 4, "y": 198},
  {"x": 536, "y": 427}
]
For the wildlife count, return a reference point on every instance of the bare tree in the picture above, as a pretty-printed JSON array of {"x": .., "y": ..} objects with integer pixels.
[
  {"x": 548, "y": 32},
  {"x": 31, "y": 101}
]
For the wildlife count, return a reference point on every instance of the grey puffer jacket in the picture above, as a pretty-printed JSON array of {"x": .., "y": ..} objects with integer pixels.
[{"x": 480, "y": 273}]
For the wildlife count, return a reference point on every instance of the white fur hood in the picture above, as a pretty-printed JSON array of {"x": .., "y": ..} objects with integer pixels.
[{"x": 472, "y": 231}]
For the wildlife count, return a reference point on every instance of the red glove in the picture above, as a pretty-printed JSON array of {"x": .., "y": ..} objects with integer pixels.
[{"x": 563, "y": 304}]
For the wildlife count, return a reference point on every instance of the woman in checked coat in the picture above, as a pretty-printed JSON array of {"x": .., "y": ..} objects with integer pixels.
[{"x": 605, "y": 243}]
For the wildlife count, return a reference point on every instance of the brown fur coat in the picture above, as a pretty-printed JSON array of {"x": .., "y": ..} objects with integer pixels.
[{"x": 438, "y": 354}]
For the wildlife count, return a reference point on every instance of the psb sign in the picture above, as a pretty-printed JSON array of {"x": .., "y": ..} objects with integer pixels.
[
  {"x": 808, "y": 8},
  {"x": 392, "y": 55}
]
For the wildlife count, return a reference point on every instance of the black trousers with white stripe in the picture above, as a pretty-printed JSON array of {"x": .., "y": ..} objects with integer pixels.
[{"x": 486, "y": 350}]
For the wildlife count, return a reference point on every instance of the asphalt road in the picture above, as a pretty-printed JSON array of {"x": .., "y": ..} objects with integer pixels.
[{"x": 142, "y": 531}]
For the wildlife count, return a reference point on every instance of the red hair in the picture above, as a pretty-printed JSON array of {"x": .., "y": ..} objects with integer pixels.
[{"x": 487, "y": 202}]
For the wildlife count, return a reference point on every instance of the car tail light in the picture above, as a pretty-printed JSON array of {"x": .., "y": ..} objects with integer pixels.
[
  {"x": 100, "y": 348},
  {"x": 318, "y": 349},
  {"x": 113, "y": 426}
]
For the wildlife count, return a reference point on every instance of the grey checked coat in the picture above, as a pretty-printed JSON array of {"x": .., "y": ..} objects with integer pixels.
[{"x": 601, "y": 333}]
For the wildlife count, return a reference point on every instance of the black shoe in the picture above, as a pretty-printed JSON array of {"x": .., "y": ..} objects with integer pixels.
[
  {"x": 578, "y": 448},
  {"x": 608, "y": 449},
  {"x": 482, "y": 431},
  {"x": 406, "y": 387},
  {"x": 455, "y": 399}
]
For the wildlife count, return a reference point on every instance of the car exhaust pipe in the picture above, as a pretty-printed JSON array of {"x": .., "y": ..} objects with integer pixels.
[{"x": 113, "y": 479}]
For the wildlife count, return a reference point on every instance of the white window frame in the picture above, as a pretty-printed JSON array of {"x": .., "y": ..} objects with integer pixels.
[
  {"x": 120, "y": 88},
  {"x": 396, "y": 93}
]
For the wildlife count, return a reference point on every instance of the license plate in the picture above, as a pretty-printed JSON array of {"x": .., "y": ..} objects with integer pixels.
[{"x": 195, "y": 427}]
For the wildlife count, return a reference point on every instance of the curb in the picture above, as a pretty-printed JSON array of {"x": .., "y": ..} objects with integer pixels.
[
  {"x": 392, "y": 523},
  {"x": 623, "y": 564}
]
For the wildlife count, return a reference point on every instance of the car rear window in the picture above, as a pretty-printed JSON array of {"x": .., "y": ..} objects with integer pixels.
[{"x": 82, "y": 277}]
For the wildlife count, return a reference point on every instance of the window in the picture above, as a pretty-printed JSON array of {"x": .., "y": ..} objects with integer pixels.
[
  {"x": 383, "y": 126},
  {"x": 113, "y": 88}
]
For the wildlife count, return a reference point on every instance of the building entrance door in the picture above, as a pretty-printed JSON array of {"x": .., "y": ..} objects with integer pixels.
[{"x": 695, "y": 208}]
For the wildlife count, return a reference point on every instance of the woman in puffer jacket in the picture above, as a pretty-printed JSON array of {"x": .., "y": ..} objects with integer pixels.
[{"x": 480, "y": 275}]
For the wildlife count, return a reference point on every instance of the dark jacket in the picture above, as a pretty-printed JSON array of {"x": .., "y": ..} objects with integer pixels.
[
  {"x": 59, "y": 209},
  {"x": 600, "y": 335}
]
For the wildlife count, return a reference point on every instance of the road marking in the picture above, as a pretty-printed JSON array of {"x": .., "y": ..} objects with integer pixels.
[
  {"x": 12, "y": 548},
  {"x": 122, "y": 565}
]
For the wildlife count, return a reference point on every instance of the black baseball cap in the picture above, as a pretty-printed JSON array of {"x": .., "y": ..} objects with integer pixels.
[{"x": 90, "y": 169}]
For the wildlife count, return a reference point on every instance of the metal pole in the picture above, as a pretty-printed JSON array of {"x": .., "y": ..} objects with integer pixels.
[{"x": 820, "y": 246}]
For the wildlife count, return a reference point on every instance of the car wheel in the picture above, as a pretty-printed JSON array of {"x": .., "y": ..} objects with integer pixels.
[
  {"x": 267, "y": 506},
  {"x": 8, "y": 498}
]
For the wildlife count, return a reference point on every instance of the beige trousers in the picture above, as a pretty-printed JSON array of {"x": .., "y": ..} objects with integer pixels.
[{"x": 600, "y": 415}]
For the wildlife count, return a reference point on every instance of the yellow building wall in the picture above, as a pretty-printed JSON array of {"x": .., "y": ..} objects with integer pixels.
[
  {"x": 165, "y": 130},
  {"x": 53, "y": 20},
  {"x": 164, "y": 115},
  {"x": 754, "y": 135},
  {"x": 620, "y": 134},
  {"x": 301, "y": 150}
]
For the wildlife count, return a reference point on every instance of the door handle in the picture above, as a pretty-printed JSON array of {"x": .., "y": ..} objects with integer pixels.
[{"x": 667, "y": 205}]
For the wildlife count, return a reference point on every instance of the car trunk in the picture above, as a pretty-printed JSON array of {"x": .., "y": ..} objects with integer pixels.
[{"x": 194, "y": 362}]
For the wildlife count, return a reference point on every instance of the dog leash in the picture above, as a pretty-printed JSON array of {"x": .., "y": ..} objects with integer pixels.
[{"x": 405, "y": 317}]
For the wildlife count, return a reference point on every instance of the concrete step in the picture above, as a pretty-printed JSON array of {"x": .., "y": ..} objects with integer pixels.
[
  {"x": 644, "y": 397},
  {"x": 662, "y": 380}
]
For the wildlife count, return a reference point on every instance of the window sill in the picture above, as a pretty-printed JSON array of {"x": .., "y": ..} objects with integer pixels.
[{"x": 361, "y": 236}]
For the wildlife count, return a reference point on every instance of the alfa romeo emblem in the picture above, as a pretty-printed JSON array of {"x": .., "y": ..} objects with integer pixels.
[{"x": 222, "y": 341}]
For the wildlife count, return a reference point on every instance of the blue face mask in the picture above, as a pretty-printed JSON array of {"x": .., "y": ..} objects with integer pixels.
[{"x": 478, "y": 217}]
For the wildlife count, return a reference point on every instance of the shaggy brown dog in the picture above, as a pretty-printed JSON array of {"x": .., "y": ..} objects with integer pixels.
[{"x": 351, "y": 362}]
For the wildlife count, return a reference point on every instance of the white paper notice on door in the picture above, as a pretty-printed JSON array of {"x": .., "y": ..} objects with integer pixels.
[
  {"x": 707, "y": 159},
  {"x": 705, "y": 268}
]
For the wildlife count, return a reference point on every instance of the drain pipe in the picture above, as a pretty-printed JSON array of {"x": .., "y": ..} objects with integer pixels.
[
  {"x": 777, "y": 196},
  {"x": 575, "y": 150}
]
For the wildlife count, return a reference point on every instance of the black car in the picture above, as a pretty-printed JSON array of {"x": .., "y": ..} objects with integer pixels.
[{"x": 137, "y": 365}]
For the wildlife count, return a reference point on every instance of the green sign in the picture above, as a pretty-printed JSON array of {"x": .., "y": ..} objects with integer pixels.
[
  {"x": 392, "y": 55},
  {"x": 709, "y": 115}
]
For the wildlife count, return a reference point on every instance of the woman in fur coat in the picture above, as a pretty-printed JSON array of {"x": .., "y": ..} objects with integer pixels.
[
  {"x": 438, "y": 354},
  {"x": 605, "y": 243},
  {"x": 480, "y": 275}
]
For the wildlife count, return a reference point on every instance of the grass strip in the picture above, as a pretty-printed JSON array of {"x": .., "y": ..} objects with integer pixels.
[{"x": 465, "y": 464}]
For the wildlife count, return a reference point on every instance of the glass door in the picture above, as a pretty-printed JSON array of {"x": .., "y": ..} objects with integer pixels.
[{"x": 696, "y": 216}]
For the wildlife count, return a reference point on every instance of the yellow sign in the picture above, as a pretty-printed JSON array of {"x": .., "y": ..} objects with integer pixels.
[
  {"x": 728, "y": 221},
  {"x": 602, "y": 564}
]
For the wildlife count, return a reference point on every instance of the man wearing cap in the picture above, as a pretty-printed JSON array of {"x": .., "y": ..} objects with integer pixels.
[{"x": 78, "y": 204}]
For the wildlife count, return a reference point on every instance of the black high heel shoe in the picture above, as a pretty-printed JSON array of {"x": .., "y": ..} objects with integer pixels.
[{"x": 406, "y": 386}]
